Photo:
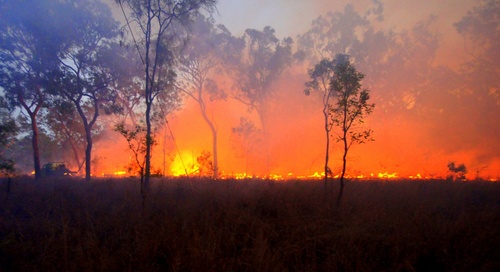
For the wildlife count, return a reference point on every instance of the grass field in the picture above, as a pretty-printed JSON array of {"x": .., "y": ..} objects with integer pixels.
[{"x": 251, "y": 225}]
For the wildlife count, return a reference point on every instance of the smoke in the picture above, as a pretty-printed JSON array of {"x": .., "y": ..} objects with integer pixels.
[
  {"x": 436, "y": 101},
  {"x": 426, "y": 113}
]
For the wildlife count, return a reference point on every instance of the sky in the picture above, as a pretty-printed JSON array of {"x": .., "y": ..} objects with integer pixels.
[{"x": 292, "y": 17}]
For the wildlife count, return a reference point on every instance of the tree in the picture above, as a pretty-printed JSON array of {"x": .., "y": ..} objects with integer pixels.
[
  {"x": 400, "y": 63},
  {"x": 202, "y": 56},
  {"x": 8, "y": 130},
  {"x": 136, "y": 142},
  {"x": 457, "y": 171},
  {"x": 248, "y": 135},
  {"x": 90, "y": 63},
  {"x": 68, "y": 131},
  {"x": 321, "y": 76},
  {"x": 262, "y": 62},
  {"x": 350, "y": 109},
  {"x": 156, "y": 20},
  {"x": 29, "y": 42}
]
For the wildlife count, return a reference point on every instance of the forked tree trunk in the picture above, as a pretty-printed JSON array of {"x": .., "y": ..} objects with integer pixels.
[{"x": 34, "y": 128}]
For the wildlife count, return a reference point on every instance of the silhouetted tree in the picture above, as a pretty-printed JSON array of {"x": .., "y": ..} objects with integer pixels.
[
  {"x": 90, "y": 64},
  {"x": 262, "y": 62},
  {"x": 156, "y": 20},
  {"x": 400, "y": 63},
  {"x": 248, "y": 135},
  {"x": 136, "y": 142},
  {"x": 68, "y": 131},
  {"x": 8, "y": 131},
  {"x": 29, "y": 42},
  {"x": 350, "y": 109},
  {"x": 457, "y": 171},
  {"x": 201, "y": 59},
  {"x": 321, "y": 76}
]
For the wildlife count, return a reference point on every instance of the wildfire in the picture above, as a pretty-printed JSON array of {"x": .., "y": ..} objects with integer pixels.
[{"x": 386, "y": 175}]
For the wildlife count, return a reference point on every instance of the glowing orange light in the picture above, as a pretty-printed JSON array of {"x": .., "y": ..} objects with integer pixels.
[{"x": 387, "y": 175}]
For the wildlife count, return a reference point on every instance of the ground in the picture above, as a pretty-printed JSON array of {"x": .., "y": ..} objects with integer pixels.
[{"x": 67, "y": 224}]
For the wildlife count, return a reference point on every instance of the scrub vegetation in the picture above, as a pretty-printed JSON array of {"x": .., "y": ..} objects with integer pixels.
[{"x": 248, "y": 225}]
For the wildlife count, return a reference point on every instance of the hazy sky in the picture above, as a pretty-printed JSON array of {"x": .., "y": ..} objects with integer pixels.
[{"x": 291, "y": 17}]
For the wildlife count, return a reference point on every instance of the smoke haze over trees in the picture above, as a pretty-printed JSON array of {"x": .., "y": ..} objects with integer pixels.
[{"x": 431, "y": 66}]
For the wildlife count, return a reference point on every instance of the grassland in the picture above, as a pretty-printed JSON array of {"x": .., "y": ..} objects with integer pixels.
[{"x": 252, "y": 225}]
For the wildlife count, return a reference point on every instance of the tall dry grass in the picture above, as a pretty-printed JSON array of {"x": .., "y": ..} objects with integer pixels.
[{"x": 252, "y": 225}]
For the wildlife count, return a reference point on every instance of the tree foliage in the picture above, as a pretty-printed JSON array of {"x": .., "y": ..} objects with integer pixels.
[
  {"x": 199, "y": 63},
  {"x": 157, "y": 21},
  {"x": 90, "y": 63},
  {"x": 457, "y": 171},
  {"x": 29, "y": 43},
  {"x": 8, "y": 130},
  {"x": 350, "y": 109},
  {"x": 320, "y": 83}
]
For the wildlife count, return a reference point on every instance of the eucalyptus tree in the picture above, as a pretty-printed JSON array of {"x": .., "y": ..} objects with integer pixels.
[
  {"x": 201, "y": 60},
  {"x": 29, "y": 43},
  {"x": 350, "y": 109},
  {"x": 156, "y": 21},
  {"x": 321, "y": 76},
  {"x": 262, "y": 62},
  {"x": 90, "y": 64},
  {"x": 398, "y": 62}
]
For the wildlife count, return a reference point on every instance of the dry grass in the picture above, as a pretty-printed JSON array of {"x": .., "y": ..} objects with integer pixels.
[{"x": 202, "y": 225}]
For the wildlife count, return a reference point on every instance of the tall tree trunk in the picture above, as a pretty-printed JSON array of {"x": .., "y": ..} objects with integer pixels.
[
  {"x": 327, "y": 151},
  {"x": 88, "y": 153},
  {"x": 344, "y": 156},
  {"x": 147, "y": 174},
  {"x": 88, "y": 134},
  {"x": 261, "y": 111},
  {"x": 34, "y": 126},
  {"x": 214, "y": 135},
  {"x": 34, "y": 144},
  {"x": 74, "y": 149},
  {"x": 342, "y": 181}
]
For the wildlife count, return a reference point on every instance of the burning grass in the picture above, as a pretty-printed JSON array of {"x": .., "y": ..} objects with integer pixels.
[{"x": 249, "y": 225}]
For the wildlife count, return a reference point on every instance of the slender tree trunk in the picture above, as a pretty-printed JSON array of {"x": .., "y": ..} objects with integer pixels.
[
  {"x": 344, "y": 156},
  {"x": 34, "y": 144},
  {"x": 261, "y": 111},
  {"x": 75, "y": 150},
  {"x": 327, "y": 151},
  {"x": 88, "y": 152},
  {"x": 216, "y": 161},
  {"x": 88, "y": 134},
  {"x": 342, "y": 181},
  {"x": 145, "y": 186},
  {"x": 148, "y": 97},
  {"x": 214, "y": 135},
  {"x": 34, "y": 127}
]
